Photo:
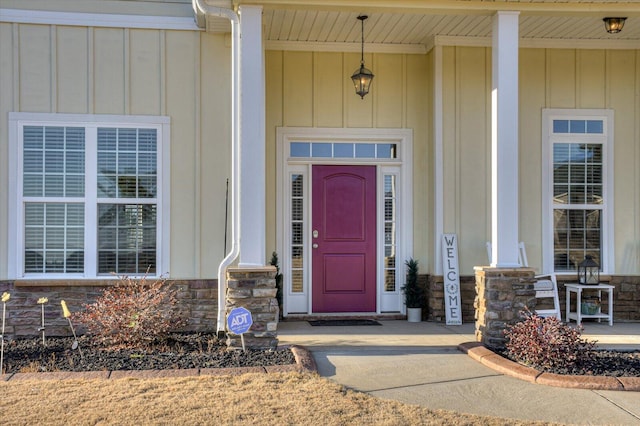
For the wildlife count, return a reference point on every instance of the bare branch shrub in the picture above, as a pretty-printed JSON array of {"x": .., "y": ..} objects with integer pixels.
[{"x": 133, "y": 313}]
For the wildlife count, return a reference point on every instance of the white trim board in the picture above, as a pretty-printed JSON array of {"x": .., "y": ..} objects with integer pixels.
[
  {"x": 439, "y": 40},
  {"x": 23, "y": 16}
]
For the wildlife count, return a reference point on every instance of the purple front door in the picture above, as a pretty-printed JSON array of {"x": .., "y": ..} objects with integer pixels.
[{"x": 344, "y": 239}]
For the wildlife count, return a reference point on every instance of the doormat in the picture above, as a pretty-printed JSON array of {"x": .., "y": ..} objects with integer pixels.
[{"x": 325, "y": 323}]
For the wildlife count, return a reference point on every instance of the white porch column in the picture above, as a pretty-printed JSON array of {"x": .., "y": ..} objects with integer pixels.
[
  {"x": 504, "y": 141},
  {"x": 252, "y": 139}
]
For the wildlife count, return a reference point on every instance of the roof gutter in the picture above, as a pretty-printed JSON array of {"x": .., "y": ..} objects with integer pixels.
[{"x": 202, "y": 10}]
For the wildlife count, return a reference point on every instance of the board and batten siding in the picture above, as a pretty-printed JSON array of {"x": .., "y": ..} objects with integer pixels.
[
  {"x": 548, "y": 78},
  {"x": 186, "y": 76},
  {"x": 314, "y": 89},
  {"x": 181, "y": 74}
]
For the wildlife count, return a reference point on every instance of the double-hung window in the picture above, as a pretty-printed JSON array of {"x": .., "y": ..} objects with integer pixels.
[
  {"x": 577, "y": 182},
  {"x": 87, "y": 195}
]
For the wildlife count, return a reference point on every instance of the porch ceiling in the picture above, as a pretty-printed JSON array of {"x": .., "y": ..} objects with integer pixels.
[{"x": 416, "y": 25}]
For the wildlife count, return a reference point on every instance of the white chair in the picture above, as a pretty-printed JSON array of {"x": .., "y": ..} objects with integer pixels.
[
  {"x": 522, "y": 254},
  {"x": 546, "y": 286}
]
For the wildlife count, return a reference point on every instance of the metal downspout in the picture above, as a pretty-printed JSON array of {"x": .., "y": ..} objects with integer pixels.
[{"x": 229, "y": 14}]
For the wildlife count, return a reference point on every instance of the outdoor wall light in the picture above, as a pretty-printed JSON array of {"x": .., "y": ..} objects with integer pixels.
[
  {"x": 614, "y": 25},
  {"x": 362, "y": 77}
]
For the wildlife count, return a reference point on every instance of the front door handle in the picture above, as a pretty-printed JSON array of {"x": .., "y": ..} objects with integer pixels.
[{"x": 314, "y": 245}]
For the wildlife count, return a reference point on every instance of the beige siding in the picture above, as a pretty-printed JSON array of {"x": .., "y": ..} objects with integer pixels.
[
  {"x": 297, "y": 91},
  {"x": 182, "y": 74},
  {"x": 72, "y": 73},
  {"x": 449, "y": 143},
  {"x": 552, "y": 78},
  {"x": 532, "y": 97},
  {"x": 561, "y": 78},
  {"x": 622, "y": 97},
  {"x": 36, "y": 73},
  {"x": 183, "y": 87},
  {"x": 329, "y": 100},
  {"x": 274, "y": 118},
  {"x": 474, "y": 153},
  {"x": 467, "y": 151},
  {"x": 329, "y": 83},
  {"x": 389, "y": 81},
  {"x": 215, "y": 151},
  {"x": 591, "y": 74},
  {"x": 186, "y": 75},
  {"x": 109, "y": 69},
  {"x": 144, "y": 63},
  {"x": 417, "y": 108},
  {"x": 7, "y": 100}
]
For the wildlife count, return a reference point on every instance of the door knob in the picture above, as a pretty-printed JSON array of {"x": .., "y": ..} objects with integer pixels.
[{"x": 314, "y": 245}]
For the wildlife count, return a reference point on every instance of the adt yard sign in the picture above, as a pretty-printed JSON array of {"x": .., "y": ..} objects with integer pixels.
[{"x": 239, "y": 320}]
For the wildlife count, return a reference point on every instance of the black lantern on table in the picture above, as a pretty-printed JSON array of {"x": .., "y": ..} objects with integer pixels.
[{"x": 588, "y": 271}]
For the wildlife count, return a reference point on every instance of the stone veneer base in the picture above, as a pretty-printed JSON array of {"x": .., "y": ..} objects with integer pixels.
[
  {"x": 501, "y": 296},
  {"x": 255, "y": 290}
]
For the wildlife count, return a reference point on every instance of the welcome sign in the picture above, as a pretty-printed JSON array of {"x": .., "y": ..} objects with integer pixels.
[{"x": 451, "y": 274}]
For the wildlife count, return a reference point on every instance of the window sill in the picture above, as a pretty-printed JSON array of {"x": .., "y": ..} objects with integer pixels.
[
  {"x": 94, "y": 282},
  {"x": 573, "y": 277}
]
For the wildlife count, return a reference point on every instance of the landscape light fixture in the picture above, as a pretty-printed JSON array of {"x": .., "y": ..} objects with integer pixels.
[
  {"x": 362, "y": 77},
  {"x": 614, "y": 25}
]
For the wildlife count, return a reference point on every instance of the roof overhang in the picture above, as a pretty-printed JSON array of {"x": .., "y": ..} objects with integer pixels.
[{"x": 415, "y": 26}]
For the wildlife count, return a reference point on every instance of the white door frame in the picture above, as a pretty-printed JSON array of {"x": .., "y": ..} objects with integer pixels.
[{"x": 299, "y": 302}]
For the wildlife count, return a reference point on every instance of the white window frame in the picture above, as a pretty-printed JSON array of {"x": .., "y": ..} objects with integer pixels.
[
  {"x": 607, "y": 140},
  {"x": 17, "y": 120}
]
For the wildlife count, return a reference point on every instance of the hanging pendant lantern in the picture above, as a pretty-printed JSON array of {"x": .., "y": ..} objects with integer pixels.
[{"x": 362, "y": 77}]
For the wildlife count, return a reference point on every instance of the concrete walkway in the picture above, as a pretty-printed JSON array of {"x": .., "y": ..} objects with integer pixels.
[{"x": 418, "y": 363}]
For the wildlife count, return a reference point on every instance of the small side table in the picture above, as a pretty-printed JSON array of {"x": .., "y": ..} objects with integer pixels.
[{"x": 578, "y": 315}]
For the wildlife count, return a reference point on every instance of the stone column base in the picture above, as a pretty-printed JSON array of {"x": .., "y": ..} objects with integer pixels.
[
  {"x": 255, "y": 290},
  {"x": 501, "y": 294}
]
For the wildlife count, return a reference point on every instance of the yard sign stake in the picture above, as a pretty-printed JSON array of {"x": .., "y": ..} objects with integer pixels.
[{"x": 5, "y": 298}]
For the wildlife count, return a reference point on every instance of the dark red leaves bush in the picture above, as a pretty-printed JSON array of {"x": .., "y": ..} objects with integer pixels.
[{"x": 547, "y": 343}]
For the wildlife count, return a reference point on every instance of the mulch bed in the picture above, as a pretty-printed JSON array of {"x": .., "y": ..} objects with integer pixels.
[
  {"x": 179, "y": 351},
  {"x": 601, "y": 363}
]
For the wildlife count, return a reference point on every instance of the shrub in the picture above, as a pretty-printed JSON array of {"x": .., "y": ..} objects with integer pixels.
[
  {"x": 414, "y": 294},
  {"x": 132, "y": 314},
  {"x": 274, "y": 262},
  {"x": 547, "y": 343}
]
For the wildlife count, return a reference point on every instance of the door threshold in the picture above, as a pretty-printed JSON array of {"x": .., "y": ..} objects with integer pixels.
[{"x": 345, "y": 316}]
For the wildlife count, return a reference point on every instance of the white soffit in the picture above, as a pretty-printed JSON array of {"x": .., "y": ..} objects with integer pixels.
[
  {"x": 324, "y": 30},
  {"x": 385, "y": 32}
]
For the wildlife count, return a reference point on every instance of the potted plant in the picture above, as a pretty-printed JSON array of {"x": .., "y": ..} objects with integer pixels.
[
  {"x": 413, "y": 292},
  {"x": 275, "y": 262}
]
